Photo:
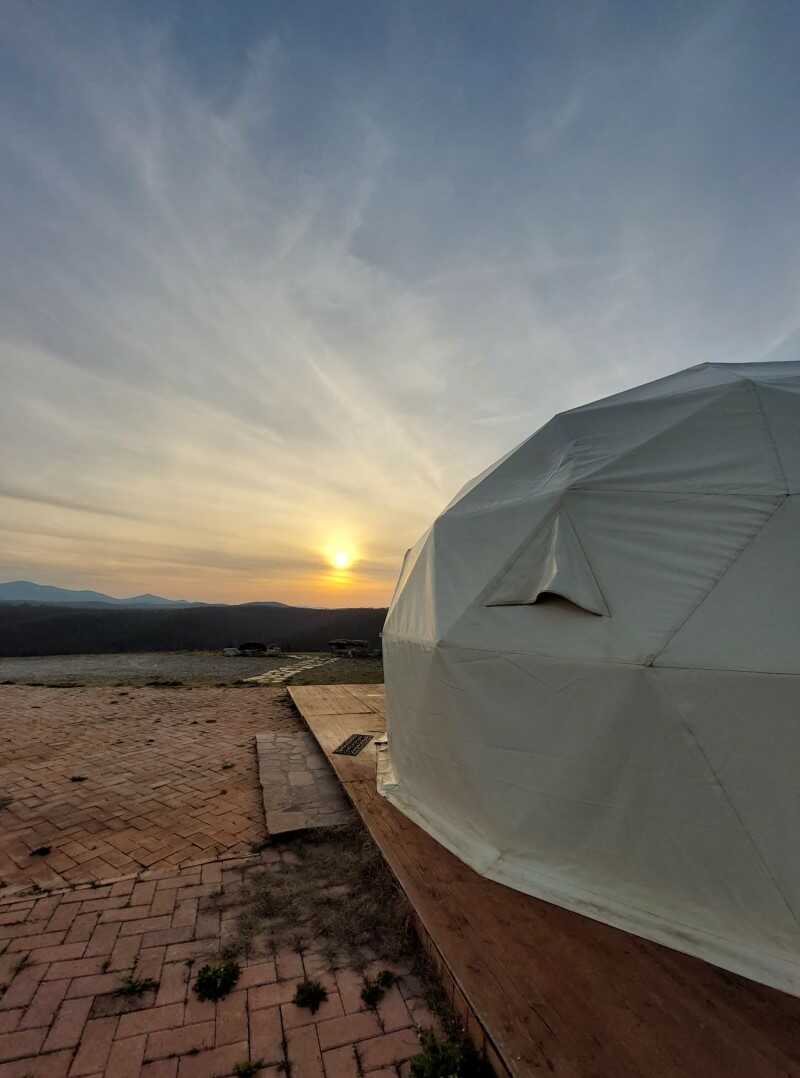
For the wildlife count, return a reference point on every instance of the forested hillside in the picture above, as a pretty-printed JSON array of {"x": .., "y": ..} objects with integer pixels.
[{"x": 40, "y": 629}]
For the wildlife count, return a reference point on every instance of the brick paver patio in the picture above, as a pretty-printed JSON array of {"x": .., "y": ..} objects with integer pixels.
[
  {"x": 158, "y": 826},
  {"x": 66, "y": 954},
  {"x": 115, "y": 781}
]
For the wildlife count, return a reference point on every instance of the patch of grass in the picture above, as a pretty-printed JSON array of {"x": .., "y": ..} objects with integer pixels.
[
  {"x": 448, "y": 1057},
  {"x": 214, "y": 981},
  {"x": 340, "y": 891},
  {"x": 135, "y": 986},
  {"x": 342, "y": 672},
  {"x": 248, "y": 1070},
  {"x": 310, "y": 994}
]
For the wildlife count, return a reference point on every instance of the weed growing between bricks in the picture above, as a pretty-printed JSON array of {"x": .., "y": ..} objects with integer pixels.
[
  {"x": 374, "y": 991},
  {"x": 448, "y": 1057},
  {"x": 311, "y": 994},
  {"x": 216, "y": 980},
  {"x": 449, "y": 1053},
  {"x": 133, "y": 986},
  {"x": 249, "y": 1070}
]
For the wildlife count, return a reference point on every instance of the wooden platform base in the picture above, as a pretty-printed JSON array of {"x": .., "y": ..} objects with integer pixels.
[{"x": 544, "y": 991}]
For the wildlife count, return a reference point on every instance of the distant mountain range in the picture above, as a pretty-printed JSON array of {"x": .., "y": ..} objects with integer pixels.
[{"x": 26, "y": 591}]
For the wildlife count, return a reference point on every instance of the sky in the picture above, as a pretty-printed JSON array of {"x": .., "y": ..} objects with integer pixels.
[{"x": 277, "y": 278}]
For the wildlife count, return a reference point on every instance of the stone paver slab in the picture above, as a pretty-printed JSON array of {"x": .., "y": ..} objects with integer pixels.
[{"x": 299, "y": 789}]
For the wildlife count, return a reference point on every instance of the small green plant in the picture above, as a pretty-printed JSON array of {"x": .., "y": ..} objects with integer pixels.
[
  {"x": 374, "y": 991},
  {"x": 453, "y": 1057},
  {"x": 248, "y": 1070},
  {"x": 135, "y": 986},
  {"x": 372, "y": 994},
  {"x": 214, "y": 981},
  {"x": 310, "y": 994}
]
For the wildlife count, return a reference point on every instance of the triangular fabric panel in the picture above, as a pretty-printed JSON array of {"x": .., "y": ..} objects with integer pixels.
[
  {"x": 553, "y": 563},
  {"x": 781, "y": 404},
  {"x": 723, "y": 447},
  {"x": 751, "y": 619}
]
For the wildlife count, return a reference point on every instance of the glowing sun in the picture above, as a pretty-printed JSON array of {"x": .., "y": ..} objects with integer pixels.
[{"x": 341, "y": 559}]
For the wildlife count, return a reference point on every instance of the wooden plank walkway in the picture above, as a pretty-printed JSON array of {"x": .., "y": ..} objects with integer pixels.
[{"x": 546, "y": 991}]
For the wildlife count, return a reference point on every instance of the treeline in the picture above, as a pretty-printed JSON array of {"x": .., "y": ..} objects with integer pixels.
[{"x": 39, "y": 629}]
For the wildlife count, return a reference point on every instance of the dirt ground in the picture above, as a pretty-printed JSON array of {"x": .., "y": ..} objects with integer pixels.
[{"x": 191, "y": 668}]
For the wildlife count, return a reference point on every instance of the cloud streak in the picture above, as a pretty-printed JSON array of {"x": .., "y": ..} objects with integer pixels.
[{"x": 276, "y": 282}]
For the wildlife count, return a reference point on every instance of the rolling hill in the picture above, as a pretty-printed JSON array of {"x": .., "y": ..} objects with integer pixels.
[
  {"x": 60, "y": 629},
  {"x": 26, "y": 591}
]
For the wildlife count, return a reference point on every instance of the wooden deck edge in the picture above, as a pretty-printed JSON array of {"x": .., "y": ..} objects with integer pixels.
[{"x": 473, "y": 1027}]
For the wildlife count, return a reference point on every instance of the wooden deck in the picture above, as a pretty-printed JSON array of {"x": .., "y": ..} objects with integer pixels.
[{"x": 545, "y": 991}]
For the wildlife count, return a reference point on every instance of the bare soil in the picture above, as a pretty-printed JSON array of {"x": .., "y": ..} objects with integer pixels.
[{"x": 135, "y": 669}]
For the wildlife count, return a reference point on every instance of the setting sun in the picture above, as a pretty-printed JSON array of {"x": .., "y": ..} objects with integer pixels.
[{"x": 341, "y": 559}]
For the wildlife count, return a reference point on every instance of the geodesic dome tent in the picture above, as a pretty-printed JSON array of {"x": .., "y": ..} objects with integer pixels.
[{"x": 592, "y": 664}]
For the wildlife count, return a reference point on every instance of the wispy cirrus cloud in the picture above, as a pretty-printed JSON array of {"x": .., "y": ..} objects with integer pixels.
[{"x": 274, "y": 281}]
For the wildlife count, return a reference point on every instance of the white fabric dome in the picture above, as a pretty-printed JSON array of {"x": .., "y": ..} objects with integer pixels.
[{"x": 592, "y": 664}]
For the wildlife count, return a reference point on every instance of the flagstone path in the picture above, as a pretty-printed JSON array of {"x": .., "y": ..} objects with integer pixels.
[
  {"x": 300, "y": 788},
  {"x": 282, "y": 674}
]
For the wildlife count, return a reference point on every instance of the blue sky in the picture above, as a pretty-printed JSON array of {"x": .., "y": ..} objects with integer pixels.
[{"x": 278, "y": 278}]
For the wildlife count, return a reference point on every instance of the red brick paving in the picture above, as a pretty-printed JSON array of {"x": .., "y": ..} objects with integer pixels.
[
  {"x": 170, "y": 779},
  {"x": 64, "y": 953},
  {"x": 62, "y": 1017}
]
